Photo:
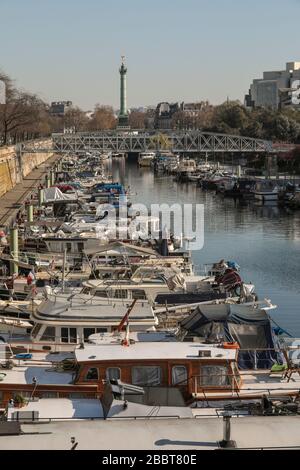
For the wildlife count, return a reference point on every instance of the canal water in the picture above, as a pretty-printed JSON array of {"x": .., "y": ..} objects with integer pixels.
[{"x": 263, "y": 240}]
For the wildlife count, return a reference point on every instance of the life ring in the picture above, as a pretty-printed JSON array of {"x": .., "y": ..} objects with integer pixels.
[{"x": 232, "y": 345}]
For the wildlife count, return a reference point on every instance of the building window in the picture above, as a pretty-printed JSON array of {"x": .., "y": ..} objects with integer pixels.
[
  {"x": 92, "y": 374},
  {"x": 113, "y": 373},
  {"x": 49, "y": 334},
  {"x": 146, "y": 375},
  {"x": 179, "y": 375},
  {"x": 214, "y": 376}
]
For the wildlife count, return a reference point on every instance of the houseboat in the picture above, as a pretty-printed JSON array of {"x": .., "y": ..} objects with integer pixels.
[{"x": 203, "y": 373}]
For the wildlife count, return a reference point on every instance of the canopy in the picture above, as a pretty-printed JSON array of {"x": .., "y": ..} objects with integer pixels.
[
  {"x": 55, "y": 194},
  {"x": 250, "y": 327}
]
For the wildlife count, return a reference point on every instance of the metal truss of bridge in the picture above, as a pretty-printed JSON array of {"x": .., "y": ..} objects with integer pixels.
[{"x": 178, "y": 142}]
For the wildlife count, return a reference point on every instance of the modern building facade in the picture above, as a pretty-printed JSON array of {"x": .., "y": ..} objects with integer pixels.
[{"x": 277, "y": 89}]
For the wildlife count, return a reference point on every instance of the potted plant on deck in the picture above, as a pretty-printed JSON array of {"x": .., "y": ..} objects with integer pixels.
[{"x": 19, "y": 401}]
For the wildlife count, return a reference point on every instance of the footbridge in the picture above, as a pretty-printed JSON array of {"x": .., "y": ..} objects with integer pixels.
[{"x": 137, "y": 141}]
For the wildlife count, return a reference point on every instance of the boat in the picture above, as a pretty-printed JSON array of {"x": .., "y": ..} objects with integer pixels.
[
  {"x": 146, "y": 158},
  {"x": 185, "y": 169},
  {"x": 202, "y": 373},
  {"x": 266, "y": 190}
]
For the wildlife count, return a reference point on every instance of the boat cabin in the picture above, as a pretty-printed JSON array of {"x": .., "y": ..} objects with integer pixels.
[{"x": 193, "y": 367}]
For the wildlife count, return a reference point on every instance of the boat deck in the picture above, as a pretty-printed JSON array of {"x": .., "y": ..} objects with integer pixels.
[
  {"x": 42, "y": 366},
  {"x": 258, "y": 383}
]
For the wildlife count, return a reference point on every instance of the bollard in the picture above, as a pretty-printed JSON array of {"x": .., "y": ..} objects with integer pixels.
[
  {"x": 41, "y": 196},
  {"x": 227, "y": 442},
  {"x": 14, "y": 249},
  {"x": 47, "y": 181},
  {"x": 52, "y": 178},
  {"x": 29, "y": 213}
]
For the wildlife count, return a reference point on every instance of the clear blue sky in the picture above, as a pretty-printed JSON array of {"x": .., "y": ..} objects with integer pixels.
[{"x": 175, "y": 49}]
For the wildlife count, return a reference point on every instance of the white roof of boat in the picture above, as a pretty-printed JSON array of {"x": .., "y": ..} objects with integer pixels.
[
  {"x": 42, "y": 367},
  {"x": 151, "y": 350},
  {"x": 144, "y": 336},
  {"x": 88, "y": 408},
  {"x": 85, "y": 308}
]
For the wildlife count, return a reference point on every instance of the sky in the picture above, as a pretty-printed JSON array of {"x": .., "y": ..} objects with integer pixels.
[{"x": 176, "y": 50}]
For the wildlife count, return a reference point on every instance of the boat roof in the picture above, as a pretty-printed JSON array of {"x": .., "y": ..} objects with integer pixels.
[
  {"x": 91, "y": 408},
  {"x": 42, "y": 367},
  {"x": 152, "y": 350},
  {"x": 122, "y": 249},
  {"x": 84, "y": 308}
]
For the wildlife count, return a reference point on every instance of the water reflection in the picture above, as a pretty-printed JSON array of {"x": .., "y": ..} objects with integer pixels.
[{"x": 263, "y": 239}]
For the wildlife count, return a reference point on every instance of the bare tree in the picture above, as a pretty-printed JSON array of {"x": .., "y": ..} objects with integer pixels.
[
  {"x": 21, "y": 115},
  {"x": 102, "y": 118},
  {"x": 137, "y": 120},
  {"x": 76, "y": 119}
]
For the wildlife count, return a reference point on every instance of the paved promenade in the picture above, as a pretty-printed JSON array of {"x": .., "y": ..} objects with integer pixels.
[{"x": 12, "y": 201}]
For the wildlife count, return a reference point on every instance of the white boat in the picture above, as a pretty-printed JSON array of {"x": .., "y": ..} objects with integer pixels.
[
  {"x": 146, "y": 158},
  {"x": 65, "y": 321},
  {"x": 266, "y": 190}
]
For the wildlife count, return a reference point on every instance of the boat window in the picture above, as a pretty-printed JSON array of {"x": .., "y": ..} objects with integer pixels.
[
  {"x": 120, "y": 294},
  {"x": 101, "y": 293},
  {"x": 88, "y": 332},
  {"x": 50, "y": 395},
  {"x": 138, "y": 294},
  {"x": 214, "y": 376},
  {"x": 146, "y": 375},
  {"x": 92, "y": 374},
  {"x": 36, "y": 329},
  {"x": 69, "y": 247},
  {"x": 113, "y": 373},
  {"x": 49, "y": 334},
  {"x": 68, "y": 335},
  {"x": 23, "y": 393},
  {"x": 77, "y": 395},
  {"x": 80, "y": 247},
  {"x": 179, "y": 375},
  {"x": 73, "y": 335},
  {"x": 101, "y": 330}
]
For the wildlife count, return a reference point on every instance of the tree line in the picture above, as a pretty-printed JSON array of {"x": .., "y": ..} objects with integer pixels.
[{"x": 26, "y": 116}]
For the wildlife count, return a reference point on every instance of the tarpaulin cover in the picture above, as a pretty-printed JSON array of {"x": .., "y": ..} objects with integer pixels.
[{"x": 250, "y": 327}]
